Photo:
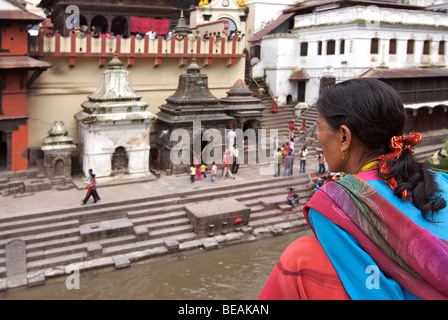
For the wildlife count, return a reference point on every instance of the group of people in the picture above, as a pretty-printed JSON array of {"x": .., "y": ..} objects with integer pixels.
[
  {"x": 216, "y": 36},
  {"x": 292, "y": 128},
  {"x": 285, "y": 156},
  {"x": 198, "y": 171},
  {"x": 230, "y": 166}
]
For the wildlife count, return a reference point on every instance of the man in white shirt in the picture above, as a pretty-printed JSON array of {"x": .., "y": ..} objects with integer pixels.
[
  {"x": 231, "y": 138},
  {"x": 152, "y": 34},
  {"x": 236, "y": 160}
]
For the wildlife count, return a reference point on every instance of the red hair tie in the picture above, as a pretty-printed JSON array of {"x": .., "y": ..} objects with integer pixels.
[{"x": 397, "y": 144}]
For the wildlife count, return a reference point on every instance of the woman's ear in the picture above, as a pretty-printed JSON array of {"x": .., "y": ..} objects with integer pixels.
[{"x": 345, "y": 136}]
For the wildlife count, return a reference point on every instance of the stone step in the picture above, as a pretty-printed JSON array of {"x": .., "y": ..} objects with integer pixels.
[
  {"x": 167, "y": 232},
  {"x": 256, "y": 208},
  {"x": 116, "y": 241},
  {"x": 167, "y": 224},
  {"x": 56, "y": 261},
  {"x": 33, "y": 230},
  {"x": 53, "y": 235},
  {"x": 154, "y": 218},
  {"x": 132, "y": 246},
  {"x": 264, "y": 215},
  {"x": 38, "y": 246},
  {"x": 55, "y": 252},
  {"x": 251, "y": 203},
  {"x": 274, "y": 220},
  {"x": 153, "y": 210}
]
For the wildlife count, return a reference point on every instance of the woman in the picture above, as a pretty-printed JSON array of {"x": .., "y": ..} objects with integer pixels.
[
  {"x": 91, "y": 189},
  {"x": 381, "y": 230}
]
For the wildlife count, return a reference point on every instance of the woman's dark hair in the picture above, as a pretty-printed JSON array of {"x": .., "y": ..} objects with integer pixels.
[{"x": 374, "y": 113}]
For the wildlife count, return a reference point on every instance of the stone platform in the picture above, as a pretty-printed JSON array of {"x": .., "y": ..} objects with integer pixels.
[{"x": 217, "y": 216}]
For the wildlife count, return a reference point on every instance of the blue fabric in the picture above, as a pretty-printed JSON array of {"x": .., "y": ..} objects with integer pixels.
[{"x": 358, "y": 272}]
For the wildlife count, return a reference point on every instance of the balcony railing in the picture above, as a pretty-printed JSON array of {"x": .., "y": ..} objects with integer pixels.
[{"x": 75, "y": 46}]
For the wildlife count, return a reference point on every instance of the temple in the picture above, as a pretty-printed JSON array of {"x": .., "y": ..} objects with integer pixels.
[
  {"x": 114, "y": 127},
  {"x": 194, "y": 109}
]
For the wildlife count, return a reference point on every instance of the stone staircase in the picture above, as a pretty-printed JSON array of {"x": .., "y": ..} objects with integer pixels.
[{"x": 115, "y": 234}]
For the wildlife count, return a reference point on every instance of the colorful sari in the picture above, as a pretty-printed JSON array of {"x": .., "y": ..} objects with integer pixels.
[{"x": 377, "y": 245}]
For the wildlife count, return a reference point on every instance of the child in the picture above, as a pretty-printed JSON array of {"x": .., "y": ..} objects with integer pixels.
[
  {"x": 292, "y": 198},
  {"x": 198, "y": 168},
  {"x": 192, "y": 173},
  {"x": 203, "y": 167},
  {"x": 213, "y": 172}
]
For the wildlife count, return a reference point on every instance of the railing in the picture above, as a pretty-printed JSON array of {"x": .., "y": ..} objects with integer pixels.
[
  {"x": 310, "y": 131},
  {"x": 88, "y": 46}
]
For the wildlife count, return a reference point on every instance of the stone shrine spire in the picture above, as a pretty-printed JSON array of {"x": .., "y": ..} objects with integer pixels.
[
  {"x": 193, "y": 88},
  {"x": 114, "y": 126}
]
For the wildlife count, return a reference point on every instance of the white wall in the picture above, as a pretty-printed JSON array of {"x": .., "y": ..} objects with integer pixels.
[{"x": 279, "y": 61}]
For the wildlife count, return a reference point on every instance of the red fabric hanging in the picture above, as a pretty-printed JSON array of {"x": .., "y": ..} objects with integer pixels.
[{"x": 143, "y": 25}]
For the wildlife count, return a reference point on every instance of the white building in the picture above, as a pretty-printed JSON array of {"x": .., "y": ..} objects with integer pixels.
[{"x": 332, "y": 41}]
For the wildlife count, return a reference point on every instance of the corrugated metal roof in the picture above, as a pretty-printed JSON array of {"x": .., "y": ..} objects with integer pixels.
[
  {"x": 22, "y": 62},
  {"x": 282, "y": 18},
  {"x": 405, "y": 73}
]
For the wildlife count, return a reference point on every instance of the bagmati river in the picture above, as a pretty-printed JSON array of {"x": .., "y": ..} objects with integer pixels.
[{"x": 231, "y": 273}]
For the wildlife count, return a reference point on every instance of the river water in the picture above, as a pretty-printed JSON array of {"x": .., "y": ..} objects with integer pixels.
[{"x": 230, "y": 273}]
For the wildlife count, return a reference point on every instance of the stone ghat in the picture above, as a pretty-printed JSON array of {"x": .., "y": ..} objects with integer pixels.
[{"x": 115, "y": 235}]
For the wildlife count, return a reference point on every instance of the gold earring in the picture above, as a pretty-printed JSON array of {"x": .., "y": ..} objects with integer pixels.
[{"x": 344, "y": 153}]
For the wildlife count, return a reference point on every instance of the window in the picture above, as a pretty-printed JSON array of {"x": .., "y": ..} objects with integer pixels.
[
  {"x": 393, "y": 46},
  {"x": 410, "y": 47},
  {"x": 342, "y": 47},
  {"x": 2, "y": 27},
  {"x": 304, "y": 49},
  {"x": 374, "y": 46},
  {"x": 331, "y": 44},
  {"x": 426, "y": 46},
  {"x": 442, "y": 47},
  {"x": 319, "y": 48}
]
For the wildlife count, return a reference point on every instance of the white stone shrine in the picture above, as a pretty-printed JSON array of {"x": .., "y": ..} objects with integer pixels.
[{"x": 114, "y": 127}]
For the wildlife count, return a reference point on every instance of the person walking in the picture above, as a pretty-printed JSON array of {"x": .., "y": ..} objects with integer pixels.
[
  {"x": 203, "y": 169},
  {"x": 198, "y": 168},
  {"x": 289, "y": 160},
  {"x": 303, "y": 154},
  {"x": 236, "y": 160},
  {"x": 226, "y": 162},
  {"x": 192, "y": 172},
  {"x": 213, "y": 172},
  {"x": 91, "y": 189}
]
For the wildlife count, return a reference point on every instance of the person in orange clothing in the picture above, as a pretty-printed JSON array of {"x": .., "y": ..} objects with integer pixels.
[{"x": 275, "y": 105}]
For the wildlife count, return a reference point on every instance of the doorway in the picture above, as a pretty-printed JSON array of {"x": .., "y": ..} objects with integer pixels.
[
  {"x": 120, "y": 161},
  {"x": 3, "y": 151}
]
